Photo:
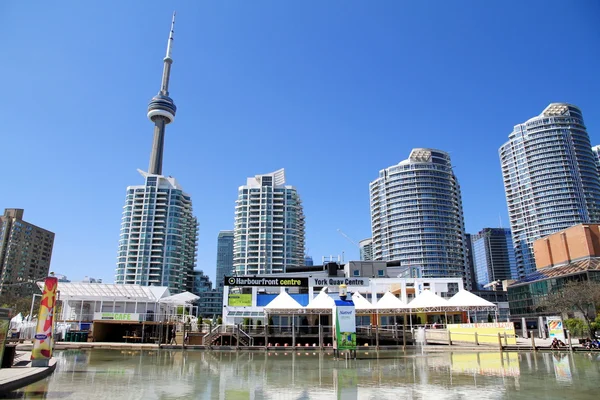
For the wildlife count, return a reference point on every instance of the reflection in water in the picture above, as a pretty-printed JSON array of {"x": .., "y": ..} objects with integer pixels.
[{"x": 114, "y": 374}]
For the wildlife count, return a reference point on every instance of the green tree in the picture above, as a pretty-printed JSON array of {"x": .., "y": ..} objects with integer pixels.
[
  {"x": 581, "y": 296},
  {"x": 577, "y": 327},
  {"x": 20, "y": 304}
]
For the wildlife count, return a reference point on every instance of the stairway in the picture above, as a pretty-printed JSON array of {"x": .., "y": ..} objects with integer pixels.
[{"x": 213, "y": 337}]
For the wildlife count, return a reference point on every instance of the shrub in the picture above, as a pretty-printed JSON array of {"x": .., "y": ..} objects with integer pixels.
[{"x": 577, "y": 327}]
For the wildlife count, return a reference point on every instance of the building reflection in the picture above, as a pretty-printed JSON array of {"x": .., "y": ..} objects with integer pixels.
[{"x": 308, "y": 374}]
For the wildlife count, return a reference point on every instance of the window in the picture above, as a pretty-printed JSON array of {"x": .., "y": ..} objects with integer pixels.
[
  {"x": 380, "y": 272},
  {"x": 356, "y": 272}
]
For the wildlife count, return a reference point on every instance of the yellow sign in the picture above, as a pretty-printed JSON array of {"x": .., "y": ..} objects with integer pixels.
[
  {"x": 486, "y": 332},
  {"x": 240, "y": 300}
]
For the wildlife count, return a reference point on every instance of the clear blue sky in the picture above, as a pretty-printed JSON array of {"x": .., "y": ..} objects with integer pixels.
[{"x": 332, "y": 91}]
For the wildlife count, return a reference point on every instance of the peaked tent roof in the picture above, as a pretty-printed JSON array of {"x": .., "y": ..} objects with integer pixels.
[
  {"x": 362, "y": 304},
  {"x": 283, "y": 303},
  {"x": 180, "y": 299},
  {"x": 322, "y": 302},
  {"x": 428, "y": 301},
  {"x": 465, "y": 300},
  {"x": 390, "y": 303}
]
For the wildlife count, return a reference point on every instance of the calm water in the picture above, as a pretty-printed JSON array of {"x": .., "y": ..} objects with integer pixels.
[{"x": 115, "y": 374}]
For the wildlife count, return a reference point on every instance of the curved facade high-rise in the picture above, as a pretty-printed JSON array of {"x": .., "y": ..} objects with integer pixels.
[
  {"x": 417, "y": 216},
  {"x": 550, "y": 178},
  {"x": 269, "y": 226},
  {"x": 365, "y": 248}
]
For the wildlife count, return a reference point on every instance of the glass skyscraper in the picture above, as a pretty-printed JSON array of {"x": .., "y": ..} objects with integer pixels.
[
  {"x": 224, "y": 257},
  {"x": 550, "y": 178},
  {"x": 493, "y": 256},
  {"x": 417, "y": 216},
  {"x": 269, "y": 226}
]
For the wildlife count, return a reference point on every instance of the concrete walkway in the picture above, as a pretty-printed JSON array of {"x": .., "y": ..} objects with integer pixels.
[
  {"x": 544, "y": 343},
  {"x": 22, "y": 373},
  {"x": 94, "y": 345}
]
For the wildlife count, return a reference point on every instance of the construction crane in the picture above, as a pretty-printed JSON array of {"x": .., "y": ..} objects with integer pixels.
[{"x": 348, "y": 238}]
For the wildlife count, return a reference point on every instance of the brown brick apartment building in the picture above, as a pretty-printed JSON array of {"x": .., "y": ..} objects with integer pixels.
[{"x": 25, "y": 253}]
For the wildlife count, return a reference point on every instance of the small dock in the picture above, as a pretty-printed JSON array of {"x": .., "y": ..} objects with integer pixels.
[{"x": 22, "y": 373}]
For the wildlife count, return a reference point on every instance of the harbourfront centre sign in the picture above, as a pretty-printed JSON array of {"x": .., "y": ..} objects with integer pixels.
[
  {"x": 265, "y": 281},
  {"x": 275, "y": 281}
]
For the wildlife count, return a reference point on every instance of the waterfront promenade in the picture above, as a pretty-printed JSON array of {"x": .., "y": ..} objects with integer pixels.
[{"x": 22, "y": 373}]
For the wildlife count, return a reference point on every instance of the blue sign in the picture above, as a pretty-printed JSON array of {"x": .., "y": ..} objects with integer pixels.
[{"x": 41, "y": 336}]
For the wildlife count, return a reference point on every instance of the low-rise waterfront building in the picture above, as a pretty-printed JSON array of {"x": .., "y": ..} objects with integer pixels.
[
  {"x": 572, "y": 254},
  {"x": 121, "y": 312}
]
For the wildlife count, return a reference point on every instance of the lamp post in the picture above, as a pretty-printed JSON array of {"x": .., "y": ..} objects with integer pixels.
[{"x": 32, "y": 302}]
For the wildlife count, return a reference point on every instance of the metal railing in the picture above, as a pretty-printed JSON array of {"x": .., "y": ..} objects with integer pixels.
[{"x": 500, "y": 339}]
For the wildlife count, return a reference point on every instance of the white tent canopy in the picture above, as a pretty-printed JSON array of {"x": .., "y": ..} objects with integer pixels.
[
  {"x": 283, "y": 304},
  {"x": 428, "y": 301},
  {"x": 390, "y": 303},
  {"x": 464, "y": 300},
  {"x": 322, "y": 303},
  {"x": 362, "y": 305},
  {"x": 78, "y": 291},
  {"x": 179, "y": 299}
]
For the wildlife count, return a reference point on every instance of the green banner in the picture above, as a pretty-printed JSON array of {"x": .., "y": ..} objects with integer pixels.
[
  {"x": 240, "y": 300},
  {"x": 345, "y": 326}
]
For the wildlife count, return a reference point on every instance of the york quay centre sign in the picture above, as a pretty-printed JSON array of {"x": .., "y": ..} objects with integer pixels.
[{"x": 336, "y": 281}]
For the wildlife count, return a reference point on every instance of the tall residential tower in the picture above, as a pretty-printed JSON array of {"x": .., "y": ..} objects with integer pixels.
[
  {"x": 159, "y": 233},
  {"x": 417, "y": 216},
  {"x": 550, "y": 177},
  {"x": 25, "y": 253},
  {"x": 269, "y": 226}
]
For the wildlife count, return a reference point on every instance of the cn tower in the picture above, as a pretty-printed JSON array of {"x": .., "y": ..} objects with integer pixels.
[
  {"x": 161, "y": 110},
  {"x": 158, "y": 240}
]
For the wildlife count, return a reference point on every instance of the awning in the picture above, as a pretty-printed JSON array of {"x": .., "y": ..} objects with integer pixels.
[
  {"x": 323, "y": 303},
  {"x": 78, "y": 291},
  {"x": 428, "y": 301},
  {"x": 362, "y": 305},
  {"x": 390, "y": 304},
  {"x": 179, "y": 299},
  {"x": 283, "y": 304},
  {"x": 467, "y": 301}
]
